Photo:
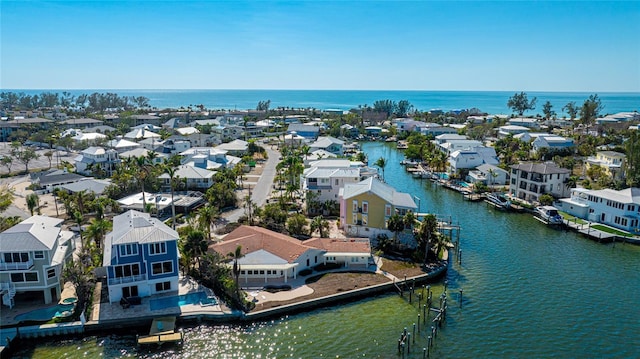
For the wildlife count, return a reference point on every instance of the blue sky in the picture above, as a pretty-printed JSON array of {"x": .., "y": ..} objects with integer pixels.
[{"x": 581, "y": 46}]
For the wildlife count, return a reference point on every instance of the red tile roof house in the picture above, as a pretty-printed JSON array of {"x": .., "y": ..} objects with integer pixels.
[{"x": 275, "y": 258}]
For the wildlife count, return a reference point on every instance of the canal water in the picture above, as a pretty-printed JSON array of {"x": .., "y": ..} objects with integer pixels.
[{"x": 529, "y": 291}]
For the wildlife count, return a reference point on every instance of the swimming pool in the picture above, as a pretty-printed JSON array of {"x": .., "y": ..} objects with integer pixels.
[
  {"x": 44, "y": 314},
  {"x": 198, "y": 298}
]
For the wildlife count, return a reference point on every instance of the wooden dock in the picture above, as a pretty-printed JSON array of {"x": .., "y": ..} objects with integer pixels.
[{"x": 162, "y": 331}]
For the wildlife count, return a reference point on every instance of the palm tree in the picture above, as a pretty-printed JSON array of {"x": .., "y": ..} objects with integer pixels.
[
  {"x": 207, "y": 216},
  {"x": 141, "y": 172},
  {"x": 79, "y": 219},
  {"x": 237, "y": 254},
  {"x": 382, "y": 163},
  {"x": 409, "y": 220},
  {"x": 32, "y": 202},
  {"x": 194, "y": 244},
  {"x": 97, "y": 230},
  {"x": 492, "y": 175},
  {"x": 396, "y": 225},
  {"x": 426, "y": 231},
  {"x": 171, "y": 171},
  {"x": 572, "y": 182},
  {"x": 319, "y": 224}
]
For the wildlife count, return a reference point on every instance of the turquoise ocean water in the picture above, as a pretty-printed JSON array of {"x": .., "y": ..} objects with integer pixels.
[{"x": 493, "y": 102}]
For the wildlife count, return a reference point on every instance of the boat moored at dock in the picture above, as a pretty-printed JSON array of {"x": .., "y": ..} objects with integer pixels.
[{"x": 548, "y": 215}]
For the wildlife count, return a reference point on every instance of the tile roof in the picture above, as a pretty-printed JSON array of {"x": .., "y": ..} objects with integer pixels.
[
  {"x": 253, "y": 239},
  {"x": 340, "y": 245}
]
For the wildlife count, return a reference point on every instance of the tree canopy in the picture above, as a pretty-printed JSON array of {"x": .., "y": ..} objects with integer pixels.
[{"x": 520, "y": 103}]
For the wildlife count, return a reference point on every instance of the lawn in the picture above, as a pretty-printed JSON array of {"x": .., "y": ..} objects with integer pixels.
[
  {"x": 571, "y": 218},
  {"x": 610, "y": 230}
]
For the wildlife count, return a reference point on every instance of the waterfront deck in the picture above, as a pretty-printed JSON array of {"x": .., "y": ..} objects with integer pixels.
[{"x": 162, "y": 331}]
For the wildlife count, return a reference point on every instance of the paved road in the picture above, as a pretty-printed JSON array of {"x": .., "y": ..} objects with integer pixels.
[{"x": 262, "y": 189}]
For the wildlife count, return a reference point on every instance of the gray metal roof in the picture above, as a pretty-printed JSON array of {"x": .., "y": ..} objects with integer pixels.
[
  {"x": 136, "y": 227},
  {"x": 37, "y": 233},
  {"x": 382, "y": 190}
]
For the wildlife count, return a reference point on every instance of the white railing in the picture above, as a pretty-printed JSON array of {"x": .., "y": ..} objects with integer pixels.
[
  {"x": 130, "y": 279},
  {"x": 16, "y": 265}
]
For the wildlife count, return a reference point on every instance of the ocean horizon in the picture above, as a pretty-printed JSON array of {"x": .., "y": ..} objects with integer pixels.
[{"x": 492, "y": 102}]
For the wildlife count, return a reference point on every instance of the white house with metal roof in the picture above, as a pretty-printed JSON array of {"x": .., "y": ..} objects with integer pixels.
[
  {"x": 32, "y": 255},
  {"x": 94, "y": 160},
  {"x": 619, "y": 209}
]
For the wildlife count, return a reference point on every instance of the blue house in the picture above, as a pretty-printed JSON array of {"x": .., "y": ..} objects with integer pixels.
[
  {"x": 309, "y": 132},
  {"x": 140, "y": 256}
]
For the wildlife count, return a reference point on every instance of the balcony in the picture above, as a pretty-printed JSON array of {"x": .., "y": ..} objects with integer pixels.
[
  {"x": 16, "y": 265},
  {"x": 130, "y": 279}
]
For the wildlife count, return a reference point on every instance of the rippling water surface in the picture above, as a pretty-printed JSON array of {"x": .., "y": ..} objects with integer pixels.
[{"x": 528, "y": 292}]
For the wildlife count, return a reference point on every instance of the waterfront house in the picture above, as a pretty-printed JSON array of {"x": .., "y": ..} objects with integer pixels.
[
  {"x": 317, "y": 155},
  {"x": 531, "y": 180},
  {"x": 140, "y": 256},
  {"x": 272, "y": 257},
  {"x": 611, "y": 162},
  {"x": 552, "y": 143},
  {"x": 349, "y": 131},
  {"x": 366, "y": 206},
  {"x": 32, "y": 256},
  {"x": 488, "y": 174},
  {"x": 329, "y": 144},
  {"x": 97, "y": 161},
  {"x": 433, "y": 129},
  {"x": 446, "y": 137},
  {"x": 619, "y": 209},
  {"x": 327, "y": 182},
  {"x": 310, "y": 133},
  {"x": 472, "y": 158}
]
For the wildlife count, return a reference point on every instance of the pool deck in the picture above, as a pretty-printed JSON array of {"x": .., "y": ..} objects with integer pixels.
[{"x": 104, "y": 313}]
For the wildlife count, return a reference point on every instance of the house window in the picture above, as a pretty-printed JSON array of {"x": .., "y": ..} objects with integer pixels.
[
  {"x": 337, "y": 181},
  {"x": 158, "y": 248},
  {"x": 130, "y": 249},
  {"x": 127, "y": 270},
  {"x": 51, "y": 272},
  {"x": 163, "y": 286},
  {"x": 38, "y": 255},
  {"x": 16, "y": 257},
  {"x": 162, "y": 267},
  {"x": 130, "y": 291},
  {"x": 24, "y": 277},
  {"x": 355, "y": 206},
  {"x": 387, "y": 210},
  {"x": 355, "y": 218},
  {"x": 365, "y": 219},
  {"x": 365, "y": 207}
]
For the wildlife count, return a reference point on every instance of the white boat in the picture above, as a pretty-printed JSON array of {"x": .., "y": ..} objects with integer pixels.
[
  {"x": 548, "y": 215},
  {"x": 498, "y": 201}
]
